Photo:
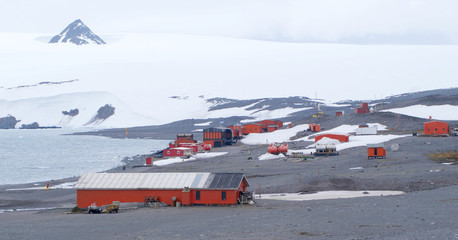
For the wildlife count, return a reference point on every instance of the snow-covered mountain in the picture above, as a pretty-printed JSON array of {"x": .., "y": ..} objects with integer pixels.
[
  {"x": 78, "y": 33},
  {"x": 157, "y": 78}
]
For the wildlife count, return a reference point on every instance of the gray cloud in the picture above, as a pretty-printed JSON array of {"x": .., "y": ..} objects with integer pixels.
[{"x": 350, "y": 21}]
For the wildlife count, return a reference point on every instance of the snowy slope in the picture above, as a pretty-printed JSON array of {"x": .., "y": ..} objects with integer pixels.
[
  {"x": 439, "y": 112},
  {"x": 47, "y": 111},
  {"x": 144, "y": 70},
  {"x": 279, "y": 136}
]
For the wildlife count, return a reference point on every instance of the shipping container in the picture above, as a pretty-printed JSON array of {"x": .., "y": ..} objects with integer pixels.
[
  {"x": 218, "y": 136},
  {"x": 375, "y": 151}
]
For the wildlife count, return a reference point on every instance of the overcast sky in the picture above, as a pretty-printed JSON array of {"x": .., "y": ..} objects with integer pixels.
[{"x": 353, "y": 21}]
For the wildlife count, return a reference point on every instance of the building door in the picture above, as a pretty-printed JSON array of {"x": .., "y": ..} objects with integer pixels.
[{"x": 375, "y": 152}]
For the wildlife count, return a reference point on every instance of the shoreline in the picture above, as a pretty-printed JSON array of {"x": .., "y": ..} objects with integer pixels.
[
  {"x": 354, "y": 175},
  {"x": 423, "y": 212}
]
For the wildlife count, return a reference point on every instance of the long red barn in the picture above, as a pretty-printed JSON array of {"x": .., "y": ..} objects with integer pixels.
[
  {"x": 187, "y": 188},
  {"x": 340, "y": 137}
]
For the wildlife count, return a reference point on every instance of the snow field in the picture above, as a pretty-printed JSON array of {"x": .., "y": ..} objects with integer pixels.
[
  {"x": 144, "y": 70},
  {"x": 284, "y": 135},
  {"x": 326, "y": 195},
  {"x": 439, "y": 112},
  {"x": 192, "y": 158}
]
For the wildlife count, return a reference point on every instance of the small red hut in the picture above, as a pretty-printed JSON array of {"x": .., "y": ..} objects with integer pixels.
[
  {"x": 364, "y": 108},
  {"x": 314, "y": 127},
  {"x": 178, "y": 152},
  {"x": 375, "y": 151}
]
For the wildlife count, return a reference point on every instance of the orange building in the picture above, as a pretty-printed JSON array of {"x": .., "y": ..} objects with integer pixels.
[
  {"x": 236, "y": 131},
  {"x": 182, "y": 138},
  {"x": 251, "y": 128},
  {"x": 436, "y": 128},
  {"x": 375, "y": 151},
  {"x": 265, "y": 124},
  {"x": 218, "y": 136},
  {"x": 186, "y": 188},
  {"x": 272, "y": 128},
  {"x": 340, "y": 137}
]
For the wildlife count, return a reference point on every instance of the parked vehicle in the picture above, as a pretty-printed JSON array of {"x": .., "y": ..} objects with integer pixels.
[
  {"x": 114, "y": 207},
  {"x": 454, "y": 132},
  {"x": 94, "y": 209}
]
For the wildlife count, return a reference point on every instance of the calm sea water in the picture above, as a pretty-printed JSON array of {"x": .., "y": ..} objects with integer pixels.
[{"x": 46, "y": 154}]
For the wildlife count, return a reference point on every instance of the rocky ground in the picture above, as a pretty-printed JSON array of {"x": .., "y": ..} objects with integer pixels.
[{"x": 427, "y": 210}]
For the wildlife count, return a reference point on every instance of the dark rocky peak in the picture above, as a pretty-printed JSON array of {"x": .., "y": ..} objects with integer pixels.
[{"x": 78, "y": 33}]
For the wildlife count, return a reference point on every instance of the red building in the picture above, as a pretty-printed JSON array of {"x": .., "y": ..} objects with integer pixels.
[
  {"x": 364, "y": 108},
  {"x": 435, "y": 128},
  {"x": 339, "y": 113},
  {"x": 375, "y": 151},
  {"x": 182, "y": 138},
  {"x": 218, "y": 136},
  {"x": 340, "y": 137},
  {"x": 251, "y": 128},
  {"x": 236, "y": 131},
  {"x": 186, "y": 188},
  {"x": 177, "y": 152},
  {"x": 272, "y": 128},
  {"x": 265, "y": 124},
  {"x": 195, "y": 147}
]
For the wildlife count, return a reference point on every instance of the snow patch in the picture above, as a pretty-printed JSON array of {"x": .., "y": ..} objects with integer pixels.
[
  {"x": 282, "y": 135},
  {"x": 326, "y": 195},
  {"x": 439, "y": 112},
  {"x": 268, "y": 156},
  {"x": 203, "y": 124},
  {"x": 68, "y": 185},
  {"x": 192, "y": 158}
]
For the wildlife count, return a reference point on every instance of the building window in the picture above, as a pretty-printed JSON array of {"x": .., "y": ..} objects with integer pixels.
[
  {"x": 168, "y": 152},
  {"x": 178, "y": 152},
  {"x": 197, "y": 195},
  {"x": 223, "y": 195}
]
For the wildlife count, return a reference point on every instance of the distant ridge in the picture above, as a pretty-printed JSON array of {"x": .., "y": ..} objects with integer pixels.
[{"x": 77, "y": 33}]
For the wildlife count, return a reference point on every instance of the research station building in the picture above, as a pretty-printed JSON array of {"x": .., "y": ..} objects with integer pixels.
[{"x": 186, "y": 188}]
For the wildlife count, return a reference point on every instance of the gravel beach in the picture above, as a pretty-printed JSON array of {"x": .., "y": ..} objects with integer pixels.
[{"x": 428, "y": 209}]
